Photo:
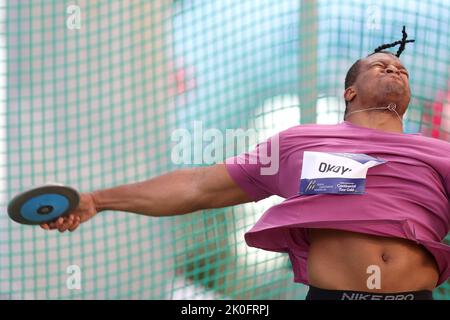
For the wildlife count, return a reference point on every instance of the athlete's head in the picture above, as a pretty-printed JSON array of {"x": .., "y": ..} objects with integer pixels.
[{"x": 378, "y": 79}]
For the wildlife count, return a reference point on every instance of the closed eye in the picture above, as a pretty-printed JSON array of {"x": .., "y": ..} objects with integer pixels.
[
  {"x": 382, "y": 65},
  {"x": 378, "y": 64}
]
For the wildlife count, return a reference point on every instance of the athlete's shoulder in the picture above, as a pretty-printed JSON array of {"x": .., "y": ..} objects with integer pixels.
[
  {"x": 296, "y": 137},
  {"x": 310, "y": 129},
  {"x": 432, "y": 141}
]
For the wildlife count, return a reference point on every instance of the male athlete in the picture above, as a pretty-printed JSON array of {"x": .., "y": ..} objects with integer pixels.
[{"x": 337, "y": 243}]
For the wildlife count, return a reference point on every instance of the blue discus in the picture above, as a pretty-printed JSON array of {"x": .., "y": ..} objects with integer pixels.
[{"x": 43, "y": 204}]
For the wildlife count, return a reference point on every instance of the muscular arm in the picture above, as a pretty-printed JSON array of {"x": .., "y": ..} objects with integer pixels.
[{"x": 177, "y": 192}]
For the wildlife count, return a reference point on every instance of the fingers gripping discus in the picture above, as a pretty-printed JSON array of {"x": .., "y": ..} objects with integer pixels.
[{"x": 43, "y": 204}]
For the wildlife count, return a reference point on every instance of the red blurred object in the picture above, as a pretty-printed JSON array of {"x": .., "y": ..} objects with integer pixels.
[
  {"x": 436, "y": 117},
  {"x": 182, "y": 79}
]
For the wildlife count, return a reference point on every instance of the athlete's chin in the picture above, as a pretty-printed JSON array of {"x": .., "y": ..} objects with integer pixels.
[
  {"x": 395, "y": 95},
  {"x": 393, "y": 89}
]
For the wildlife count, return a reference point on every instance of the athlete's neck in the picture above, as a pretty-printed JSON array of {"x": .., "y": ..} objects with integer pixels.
[{"x": 384, "y": 120}]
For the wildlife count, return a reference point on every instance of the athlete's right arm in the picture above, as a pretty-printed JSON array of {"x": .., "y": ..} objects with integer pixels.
[{"x": 177, "y": 192}]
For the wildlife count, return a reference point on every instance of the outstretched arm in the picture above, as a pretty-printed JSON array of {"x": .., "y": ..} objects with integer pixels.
[{"x": 177, "y": 192}]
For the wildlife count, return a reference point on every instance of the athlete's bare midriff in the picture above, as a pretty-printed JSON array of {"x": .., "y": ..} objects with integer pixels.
[{"x": 338, "y": 260}]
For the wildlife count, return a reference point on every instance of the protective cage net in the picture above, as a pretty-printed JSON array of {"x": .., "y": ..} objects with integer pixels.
[{"x": 94, "y": 91}]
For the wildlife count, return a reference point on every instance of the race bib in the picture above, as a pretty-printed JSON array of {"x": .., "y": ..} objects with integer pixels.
[{"x": 339, "y": 173}]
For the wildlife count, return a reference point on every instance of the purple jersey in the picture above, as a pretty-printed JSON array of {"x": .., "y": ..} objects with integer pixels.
[{"x": 405, "y": 197}]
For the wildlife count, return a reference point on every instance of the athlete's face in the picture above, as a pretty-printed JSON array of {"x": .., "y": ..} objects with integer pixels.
[{"x": 382, "y": 78}]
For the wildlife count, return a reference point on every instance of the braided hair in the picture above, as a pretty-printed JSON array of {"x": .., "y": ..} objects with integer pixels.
[
  {"x": 352, "y": 73},
  {"x": 402, "y": 44}
]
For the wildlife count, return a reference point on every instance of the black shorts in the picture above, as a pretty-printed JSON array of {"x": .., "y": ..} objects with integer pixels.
[{"x": 315, "y": 293}]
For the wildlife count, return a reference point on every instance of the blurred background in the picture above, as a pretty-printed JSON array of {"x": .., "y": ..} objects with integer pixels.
[{"x": 92, "y": 91}]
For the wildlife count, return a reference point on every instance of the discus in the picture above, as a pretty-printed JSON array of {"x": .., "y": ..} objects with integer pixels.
[{"x": 43, "y": 204}]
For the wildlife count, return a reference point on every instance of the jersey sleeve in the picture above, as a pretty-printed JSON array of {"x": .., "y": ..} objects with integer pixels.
[{"x": 257, "y": 171}]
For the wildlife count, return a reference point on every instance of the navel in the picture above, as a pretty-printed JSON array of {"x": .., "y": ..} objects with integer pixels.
[{"x": 385, "y": 257}]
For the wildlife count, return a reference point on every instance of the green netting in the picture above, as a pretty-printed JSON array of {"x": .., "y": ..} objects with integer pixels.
[{"x": 97, "y": 106}]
